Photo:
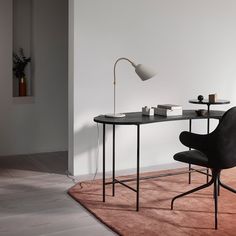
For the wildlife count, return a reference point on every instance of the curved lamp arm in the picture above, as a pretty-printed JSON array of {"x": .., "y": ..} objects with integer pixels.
[{"x": 114, "y": 81}]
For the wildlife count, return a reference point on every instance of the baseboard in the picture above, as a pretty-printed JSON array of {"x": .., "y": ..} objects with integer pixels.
[
  {"x": 167, "y": 166},
  {"x": 35, "y": 153}
]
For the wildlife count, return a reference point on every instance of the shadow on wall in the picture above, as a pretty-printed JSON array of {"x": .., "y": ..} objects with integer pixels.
[{"x": 88, "y": 145}]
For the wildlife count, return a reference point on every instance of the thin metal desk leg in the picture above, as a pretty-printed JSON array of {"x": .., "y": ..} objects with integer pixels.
[
  {"x": 113, "y": 161},
  {"x": 219, "y": 180},
  {"x": 103, "y": 163},
  {"x": 138, "y": 160},
  {"x": 189, "y": 165},
  {"x": 208, "y": 131}
]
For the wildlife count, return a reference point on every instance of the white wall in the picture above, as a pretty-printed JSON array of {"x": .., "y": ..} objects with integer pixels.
[
  {"x": 40, "y": 126},
  {"x": 190, "y": 43},
  {"x": 5, "y": 60}
]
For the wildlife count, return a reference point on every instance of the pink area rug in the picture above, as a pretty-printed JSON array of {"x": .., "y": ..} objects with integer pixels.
[{"x": 192, "y": 215}]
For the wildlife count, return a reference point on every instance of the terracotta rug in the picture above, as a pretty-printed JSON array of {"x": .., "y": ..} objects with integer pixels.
[{"x": 192, "y": 215}]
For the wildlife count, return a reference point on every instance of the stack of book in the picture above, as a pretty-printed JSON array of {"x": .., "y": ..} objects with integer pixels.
[{"x": 168, "y": 110}]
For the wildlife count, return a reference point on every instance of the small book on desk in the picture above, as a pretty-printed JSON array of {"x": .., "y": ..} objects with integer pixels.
[
  {"x": 170, "y": 106},
  {"x": 168, "y": 110}
]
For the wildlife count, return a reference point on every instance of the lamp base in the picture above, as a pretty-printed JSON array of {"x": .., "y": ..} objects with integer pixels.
[{"x": 116, "y": 115}]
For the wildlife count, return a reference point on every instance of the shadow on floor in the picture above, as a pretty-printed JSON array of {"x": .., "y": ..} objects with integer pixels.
[{"x": 25, "y": 165}]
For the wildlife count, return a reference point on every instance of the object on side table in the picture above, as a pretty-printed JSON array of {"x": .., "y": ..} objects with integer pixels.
[
  {"x": 200, "y": 98},
  {"x": 147, "y": 111},
  {"x": 142, "y": 71},
  {"x": 201, "y": 112},
  {"x": 212, "y": 98}
]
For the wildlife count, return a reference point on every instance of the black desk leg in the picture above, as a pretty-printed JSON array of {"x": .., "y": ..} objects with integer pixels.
[
  {"x": 113, "y": 161},
  {"x": 189, "y": 165},
  {"x": 208, "y": 131},
  {"x": 138, "y": 157},
  {"x": 104, "y": 164},
  {"x": 219, "y": 180}
]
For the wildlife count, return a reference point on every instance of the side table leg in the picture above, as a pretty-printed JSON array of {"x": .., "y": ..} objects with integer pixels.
[
  {"x": 138, "y": 163},
  {"x": 103, "y": 163},
  {"x": 208, "y": 118},
  {"x": 113, "y": 161}
]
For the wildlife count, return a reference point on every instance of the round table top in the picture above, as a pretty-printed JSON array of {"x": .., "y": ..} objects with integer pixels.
[{"x": 206, "y": 101}]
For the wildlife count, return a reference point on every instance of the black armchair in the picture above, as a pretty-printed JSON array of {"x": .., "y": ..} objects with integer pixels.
[{"x": 216, "y": 151}]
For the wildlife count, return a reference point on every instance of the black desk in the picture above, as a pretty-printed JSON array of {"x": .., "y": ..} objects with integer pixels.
[{"x": 137, "y": 119}]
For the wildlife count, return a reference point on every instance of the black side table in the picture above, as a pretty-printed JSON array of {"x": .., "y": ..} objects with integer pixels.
[{"x": 208, "y": 103}]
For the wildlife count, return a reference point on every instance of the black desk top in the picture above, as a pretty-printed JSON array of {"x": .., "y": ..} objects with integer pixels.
[
  {"x": 136, "y": 118},
  {"x": 206, "y": 101}
]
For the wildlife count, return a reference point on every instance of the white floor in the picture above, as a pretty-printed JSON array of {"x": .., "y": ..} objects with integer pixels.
[{"x": 33, "y": 199}]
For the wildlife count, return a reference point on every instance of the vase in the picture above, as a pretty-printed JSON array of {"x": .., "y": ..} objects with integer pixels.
[{"x": 22, "y": 87}]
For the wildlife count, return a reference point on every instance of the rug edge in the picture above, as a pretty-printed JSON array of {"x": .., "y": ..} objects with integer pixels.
[{"x": 92, "y": 213}]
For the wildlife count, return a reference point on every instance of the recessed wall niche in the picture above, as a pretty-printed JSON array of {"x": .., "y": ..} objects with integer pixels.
[{"x": 22, "y": 39}]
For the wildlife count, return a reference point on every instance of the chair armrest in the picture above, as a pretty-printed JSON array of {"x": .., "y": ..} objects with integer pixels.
[{"x": 196, "y": 141}]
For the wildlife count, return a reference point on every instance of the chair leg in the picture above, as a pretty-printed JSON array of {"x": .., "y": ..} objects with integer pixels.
[
  {"x": 227, "y": 187},
  {"x": 207, "y": 175},
  {"x": 189, "y": 173},
  {"x": 218, "y": 187},
  {"x": 214, "y": 180},
  {"x": 216, "y": 199},
  {"x": 192, "y": 191}
]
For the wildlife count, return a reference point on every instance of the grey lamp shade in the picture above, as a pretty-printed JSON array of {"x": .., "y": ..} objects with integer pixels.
[{"x": 144, "y": 72}]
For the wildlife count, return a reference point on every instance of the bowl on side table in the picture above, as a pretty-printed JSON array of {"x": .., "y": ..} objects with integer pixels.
[{"x": 201, "y": 112}]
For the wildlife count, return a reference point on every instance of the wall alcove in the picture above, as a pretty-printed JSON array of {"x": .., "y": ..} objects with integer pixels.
[{"x": 22, "y": 38}]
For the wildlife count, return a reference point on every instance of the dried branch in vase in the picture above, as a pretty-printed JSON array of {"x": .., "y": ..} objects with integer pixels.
[{"x": 20, "y": 61}]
